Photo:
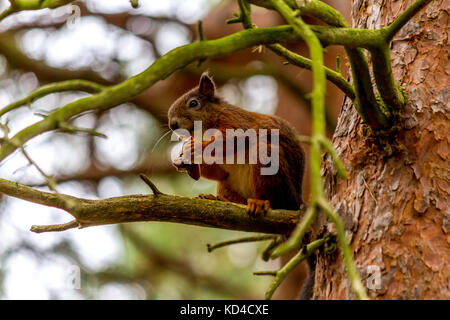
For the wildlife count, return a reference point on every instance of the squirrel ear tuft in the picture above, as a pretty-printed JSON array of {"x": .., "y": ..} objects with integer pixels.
[{"x": 206, "y": 86}]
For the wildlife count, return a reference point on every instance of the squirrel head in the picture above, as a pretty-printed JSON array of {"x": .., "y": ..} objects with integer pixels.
[{"x": 198, "y": 104}]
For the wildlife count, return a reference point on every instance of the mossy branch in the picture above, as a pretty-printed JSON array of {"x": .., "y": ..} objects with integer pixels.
[
  {"x": 365, "y": 102},
  {"x": 374, "y": 111},
  {"x": 198, "y": 51},
  {"x": 281, "y": 274},
  {"x": 69, "y": 85},
  {"x": 163, "y": 207},
  {"x": 163, "y": 67},
  {"x": 317, "y": 143},
  {"x": 302, "y": 62},
  {"x": 25, "y": 5}
]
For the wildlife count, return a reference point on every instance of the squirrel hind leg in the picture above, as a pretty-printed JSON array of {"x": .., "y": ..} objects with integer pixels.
[{"x": 256, "y": 207}]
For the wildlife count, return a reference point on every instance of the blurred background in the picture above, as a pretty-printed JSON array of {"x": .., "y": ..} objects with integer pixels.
[{"x": 108, "y": 41}]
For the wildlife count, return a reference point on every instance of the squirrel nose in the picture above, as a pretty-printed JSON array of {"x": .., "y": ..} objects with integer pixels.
[{"x": 173, "y": 125}]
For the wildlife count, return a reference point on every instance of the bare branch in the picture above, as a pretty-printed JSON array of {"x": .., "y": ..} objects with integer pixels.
[
  {"x": 212, "y": 247},
  {"x": 152, "y": 186}
]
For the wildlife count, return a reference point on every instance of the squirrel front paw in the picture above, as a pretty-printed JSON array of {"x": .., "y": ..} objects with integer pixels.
[
  {"x": 194, "y": 150},
  {"x": 185, "y": 161},
  {"x": 256, "y": 207}
]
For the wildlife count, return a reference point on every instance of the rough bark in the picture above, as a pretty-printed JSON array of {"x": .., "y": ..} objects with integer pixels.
[{"x": 395, "y": 203}]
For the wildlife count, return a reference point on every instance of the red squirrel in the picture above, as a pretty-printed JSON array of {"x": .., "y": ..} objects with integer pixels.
[{"x": 241, "y": 183}]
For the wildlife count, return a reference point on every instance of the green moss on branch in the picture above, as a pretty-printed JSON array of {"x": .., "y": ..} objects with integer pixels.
[
  {"x": 69, "y": 85},
  {"x": 159, "y": 70},
  {"x": 163, "y": 207}
]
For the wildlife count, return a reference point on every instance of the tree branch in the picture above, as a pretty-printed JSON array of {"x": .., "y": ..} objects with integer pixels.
[
  {"x": 25, "y": 5},
  {"x": 167, "y": 208},
  {"x": 404, "y": 18},
  {"x": 300, "y": 61},
  {"x": 69, "y": 85},
  {"x": 160, "y": 69},
  {"x": 281, "y": 274},
  {"x": 212, "y": 247}
]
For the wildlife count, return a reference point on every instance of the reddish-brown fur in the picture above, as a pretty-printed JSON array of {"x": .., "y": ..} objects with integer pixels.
[{"x": 235, "y": 182}]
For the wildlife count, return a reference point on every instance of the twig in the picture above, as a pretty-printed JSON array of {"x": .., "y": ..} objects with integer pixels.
[
  {"x": 55, "y": 227},
  {"x": 134, "y": 3},
  {"x": 304, "y": 139},
  {"x": 403, "y": 18},
  {"x": 328, "y": 147},
  {"x": 296, "y": 239},
  {"x": 272, "y": 245},
  {"x": 281, "y": 274},
  {"x": 265, "y": 273},
  {"x": 152, "y": 186},
  {"x": 212, "y": 247},
  {"x": 69, "y": 85},
  {"x": 338, "y": 64},
  {"x": 201, "y": 35},
  {"x": 333, "y": 76},
  {"x": 5, "y": 13},
  {"x": 50, "y": 182},
  {"x": 72, "y": 129}
]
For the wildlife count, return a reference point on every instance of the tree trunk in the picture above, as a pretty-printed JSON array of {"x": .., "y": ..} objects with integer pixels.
[{"x": 395, "y": 203}]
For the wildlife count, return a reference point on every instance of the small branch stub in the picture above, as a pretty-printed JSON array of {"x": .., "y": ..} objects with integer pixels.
[{"x": 152, "y": 186}]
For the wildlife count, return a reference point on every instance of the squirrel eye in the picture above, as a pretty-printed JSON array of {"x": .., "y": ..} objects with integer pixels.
[{"x": 193, "y": 103}]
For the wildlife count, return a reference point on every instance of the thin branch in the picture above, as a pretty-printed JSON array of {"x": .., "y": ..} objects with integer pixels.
[
  {"x": 295, "y": 240},
  {"x": 328, "y": 147},
  {"x": 304, "y": 139},
  {"x": 95, "y": 173},
  {"x": 72, "y": 129},
  {"x": 21, "y": 5},
  {"x": 404, "y": 18},
  {"x": 152, "y": 186},
  {"x": 69, "y": 85},
  {"x": 212, "y": 247},
  {"x": 265, "y": 273},
  {"x": 334, "y": 77},
  {"x": 365, "y": 102},
  {"x": 272, "y": 245},
  {"x": 160, "y": 69},
  {"x": 55, "y": 227},
  {"x": 167, "y": 208},
  {"x": 390, "y": 92},
  {"x": 50, "y": 181},
  {"x": 7, "y": 12},
  {"x": 201, "y": 35},
  {"x": 281, "y": 274}
]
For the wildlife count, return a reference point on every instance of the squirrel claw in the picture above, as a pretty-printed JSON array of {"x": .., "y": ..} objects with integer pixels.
[
  {"x": 207, "y": 196},
  {"x": 256, "y": 207}
]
